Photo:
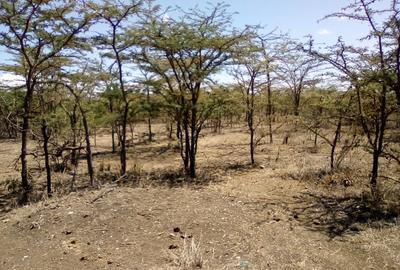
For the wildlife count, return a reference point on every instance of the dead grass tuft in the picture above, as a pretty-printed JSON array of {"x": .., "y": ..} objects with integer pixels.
[{"x": 191, "y": 256}]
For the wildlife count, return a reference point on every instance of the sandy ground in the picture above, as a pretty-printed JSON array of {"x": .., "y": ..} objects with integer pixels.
[{"x": 245, "y": 217}]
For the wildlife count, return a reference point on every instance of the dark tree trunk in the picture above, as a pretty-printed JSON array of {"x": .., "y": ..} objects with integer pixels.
[
  {"x": 315, "y": 139},
  {"x": 193, "y": 139},
  {"x": 192, "y": 170},
  {"x": 125, "y": 100},
  {"x": 250, "y": 116},
  {"x": 186, "y": 160},
  {"x": 269, "y": 106},
  {"x": 149, "y": 126},
  {"x": 178, "y": 130},
  {"x": 89, "y": 158},
  {"x": 252, "y": 145},
  {"x": 380, "y": 127},
  {"x": 24, "y": 138},
  {"x": 73, "y": 122},
  {"x": 296, "y": 104},
  {"x": 374, "y": 172},
  {"x": 123, "y": 139},
  {"x": 46, "y": 138},
  {"x": 149, "y": 115},
  {"x": 334, "y": 143}
]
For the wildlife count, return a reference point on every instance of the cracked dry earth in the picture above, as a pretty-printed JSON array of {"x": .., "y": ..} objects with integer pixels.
[{"x": 252, "y": 220}]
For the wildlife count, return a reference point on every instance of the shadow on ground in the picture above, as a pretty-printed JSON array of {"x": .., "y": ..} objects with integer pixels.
[{"x": 337, "y": 216}]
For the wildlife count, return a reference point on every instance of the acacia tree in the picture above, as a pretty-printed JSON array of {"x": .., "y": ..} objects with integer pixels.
[
  {"x": 35, "y": 33},
  {"x": 249, "y": 77},
  {"x": 112, "y": 96},
  {"x": 116, "y": 15},
  {"x": 184, "y": 53},
  {"x": 270, "y": 54},
  {"x": 80, "y": 85},
  {"x": 48, "y": 101},
  {"x": 294, "y": 70},
  {"x": 331, "y": 109},
  {"x": 149, "y": 104},
  {"x": 370, "y": 71},
  {"x": 70, "y": 108}
]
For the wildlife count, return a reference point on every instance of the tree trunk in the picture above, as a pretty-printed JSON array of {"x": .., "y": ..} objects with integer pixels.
[
  {"x": 24, "y": 139},
  {"x": 374, "y": 173},
  {"x": 250, "y": 116},
  {"x": 269, "y": 106},
  {"x": 89, "y": 158},
  {"x": 149, "y": 126},
  {"x": 149, "y": 115},
  {"x": 46, "y": 138},
  {"x": 178, "y": 130},
  {"x": 296, "y": 101},
  {"x": 193, "y": 139},
  {"x": 315, "y": 139},
  {"x": 380, "y": 127},
  {"x": 186, "y": 160},
  {"x": 73, "y": 122},
  {"x": 334, "y": 143},
  {"x": 123, "y": 140},
  {"x": 192, "y": 169},
  {"x": 252, "y": 146}
]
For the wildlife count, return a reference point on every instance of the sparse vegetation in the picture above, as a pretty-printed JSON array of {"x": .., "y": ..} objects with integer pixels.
[{"x": 293, "y": 162}]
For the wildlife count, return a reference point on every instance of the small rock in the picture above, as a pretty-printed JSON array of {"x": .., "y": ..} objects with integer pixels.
[
  {"x": 177, "y": 229},
  {"x": 172, "y": 247},
  {"x": 73, "y": 242},
  {"x": 109, "y": 262},
  {"x": 67, "y": 232},
  {"x": 83, "y": 258}
]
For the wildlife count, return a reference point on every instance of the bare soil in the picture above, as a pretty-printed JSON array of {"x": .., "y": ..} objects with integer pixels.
[{"x": 283, "y": 213}]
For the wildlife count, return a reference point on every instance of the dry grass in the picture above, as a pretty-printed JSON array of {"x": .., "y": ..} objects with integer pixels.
[
  {"x": 191, "y": 255},
  {"x": 288, "y": 212}
]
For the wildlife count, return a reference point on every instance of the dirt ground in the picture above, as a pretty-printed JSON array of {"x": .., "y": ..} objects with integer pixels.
[{"x": 239, "y": 217}]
